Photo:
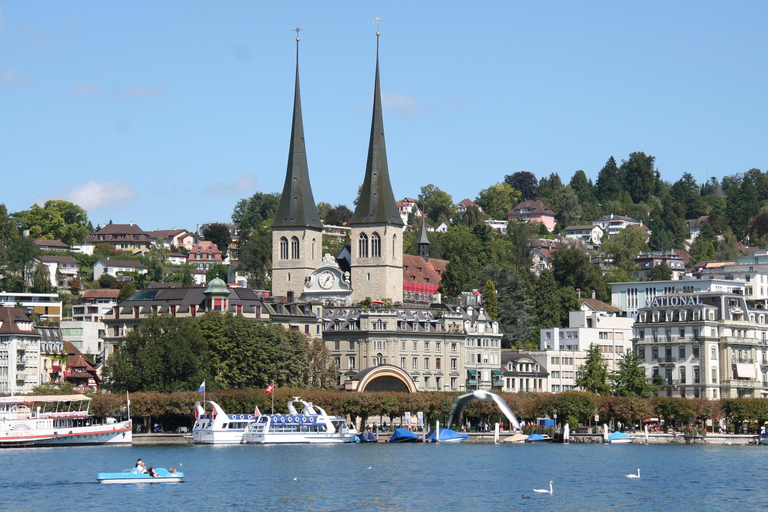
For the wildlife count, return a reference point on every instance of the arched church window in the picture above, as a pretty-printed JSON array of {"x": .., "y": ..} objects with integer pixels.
[
  {"x": 283, "y": 248},
  {"x": 313, "y": 249},
  {"x": 294, "y": 248},
  {"x": 362, "y": 245},
  {"x": 375, "y": 245},
  {"x": 394, "y": 244}
]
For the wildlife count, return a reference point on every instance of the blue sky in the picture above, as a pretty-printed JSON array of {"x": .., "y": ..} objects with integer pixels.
[{"x": 167, "y": 113}]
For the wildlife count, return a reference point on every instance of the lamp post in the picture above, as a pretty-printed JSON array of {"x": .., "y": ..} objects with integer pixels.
[{"x": 556, "y": 426}]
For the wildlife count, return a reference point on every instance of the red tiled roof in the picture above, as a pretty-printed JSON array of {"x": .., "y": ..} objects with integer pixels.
[
  {"x": 101, "y": 294},
  {"x": 599, "y": 305},
  {"x": 416, "y": 270},
  {"x": 8, "y": 322},
  {"x": 40, "y": 242}
]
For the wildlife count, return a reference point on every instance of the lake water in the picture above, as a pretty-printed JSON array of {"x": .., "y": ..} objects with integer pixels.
[{"x": 462, "y": 477}]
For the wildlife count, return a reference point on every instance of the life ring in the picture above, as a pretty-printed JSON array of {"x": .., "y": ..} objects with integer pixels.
[
  {"x": 311, "y": 419},
  {"x": 289, "y": 419}
]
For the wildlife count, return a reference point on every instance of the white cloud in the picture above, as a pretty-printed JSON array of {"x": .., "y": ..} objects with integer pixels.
[
  {"x": 93, "y": 195},
  {"x": 10, "y": 78},
  {"x": 86, "y": 89},
  {"x": 238, "y": 187},
  {"x": 146, "y": 92},
  {"x": 403, "y": 106}
]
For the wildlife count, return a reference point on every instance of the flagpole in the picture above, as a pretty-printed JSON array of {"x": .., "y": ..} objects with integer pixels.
[{"x": 273, "y": 397}]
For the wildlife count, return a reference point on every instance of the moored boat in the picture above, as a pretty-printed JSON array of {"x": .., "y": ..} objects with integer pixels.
[
  {"x": 162, "y": 476},
  {"x": 620, "y": 438},
  {"x": 312, "y": 426},
  {"x": 217, "y": 427},
  {"x": 403, "y": 435},
  {"x": 57, "y": 420},
  {"x": 538, "y": 438},
  {"x": 445, "y": 435}
]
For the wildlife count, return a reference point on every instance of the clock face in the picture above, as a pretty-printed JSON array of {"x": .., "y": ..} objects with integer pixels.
[{"x": 326, "y": 280}]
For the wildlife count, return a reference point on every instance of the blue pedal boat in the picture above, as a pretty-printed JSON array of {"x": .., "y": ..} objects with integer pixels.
[{"x": 134, "y": 477}]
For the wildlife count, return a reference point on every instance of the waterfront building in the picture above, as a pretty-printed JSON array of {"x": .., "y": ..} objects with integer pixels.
[
  {"x": 46, "y": 306},
  {"x": 633, "y": 295},
  {"x": 563, "y": 350},
  {"x": 19, "y": 352},
  {"x": 706, "y": 344},
  {"x": 53, "y": 355},
  {"x": 522, "y": 373}
]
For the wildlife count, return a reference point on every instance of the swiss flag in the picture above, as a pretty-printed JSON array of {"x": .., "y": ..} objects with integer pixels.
[{"x": 270, "y": 388}]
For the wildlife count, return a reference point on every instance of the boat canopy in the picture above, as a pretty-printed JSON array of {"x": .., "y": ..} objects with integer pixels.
[
  {"x": 446, "y": 434},
  {"x": 402, "y": 434},
  {"x": 368, "y": 437},
  {"x": 31, "y": 399},
  {"x": 618, "y": 435}
]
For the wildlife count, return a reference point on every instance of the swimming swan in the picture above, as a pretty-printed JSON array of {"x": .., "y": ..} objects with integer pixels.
[
  {"x": 635, "y": 476},
  {"x": 544, "y": 490}
]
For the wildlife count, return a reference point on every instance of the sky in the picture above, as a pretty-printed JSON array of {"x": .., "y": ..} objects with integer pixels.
[{"x": 168, "y": 113}]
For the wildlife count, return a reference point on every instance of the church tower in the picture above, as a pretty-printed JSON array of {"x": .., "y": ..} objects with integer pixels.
[
  {"x": 377, "y": 228},
  {"x": 423, "y": 242},
  {"x": 297, "y": 232}
]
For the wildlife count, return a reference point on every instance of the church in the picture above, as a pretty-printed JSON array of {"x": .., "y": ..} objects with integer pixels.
[{"x": 377, "y": 342}]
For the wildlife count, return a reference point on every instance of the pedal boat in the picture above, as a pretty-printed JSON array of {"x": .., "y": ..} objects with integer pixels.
[{"x": 134, "y": 477}]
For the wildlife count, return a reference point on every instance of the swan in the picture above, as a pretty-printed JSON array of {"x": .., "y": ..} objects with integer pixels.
[
  {"x": 635, "y": 476},
  {"x": 544, "y": 490}
]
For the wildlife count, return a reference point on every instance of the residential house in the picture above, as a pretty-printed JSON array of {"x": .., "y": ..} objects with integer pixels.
[
  {"x": 170, "y": 237},
  {"x": 51, "y": 245},
  {"x": 61, "y": 269},
  {"x": 80, "y": 371},
  {"x": 498, "y": 225},
  {"x": 465, "y": 204},
  {"x": 533, "y": 211},
  {"x": 125, "y": 237},
  {"x": 646, "y": 261},
  {"x": 19, "y": 352},
  {"x": 421, "y": 279},
  {"x": 204, "y": 254},
  {"x": 175, "y": 258},
  {"x": 406, "y": 207},
  {"x": 694, "y": 227},
  {"x": 53, "y": 355},
  {"x": 587, "y": 233},
  {"x": 119, "y": 269},
  {"x": 614, "y": 224}
]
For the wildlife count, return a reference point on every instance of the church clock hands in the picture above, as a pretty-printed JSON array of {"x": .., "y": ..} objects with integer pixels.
[{"x": 326, "y": 280}]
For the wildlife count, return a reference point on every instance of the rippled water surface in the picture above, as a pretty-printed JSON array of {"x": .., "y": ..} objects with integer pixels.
[{"x": 465, "y": 477}]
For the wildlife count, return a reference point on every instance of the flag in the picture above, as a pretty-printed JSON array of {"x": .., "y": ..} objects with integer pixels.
[
  {"x": 270, "y": 388},
  {"x": 256, "y": 412},
  {"x": 201, "y": 389}
]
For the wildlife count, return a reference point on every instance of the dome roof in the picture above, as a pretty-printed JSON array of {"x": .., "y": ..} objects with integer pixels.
[{"x": 217, "y": 286}]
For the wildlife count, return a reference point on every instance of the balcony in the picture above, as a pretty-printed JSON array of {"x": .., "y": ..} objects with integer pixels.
[
  {"x": 742, "y": 360},
  {"x": 667, "y": 360},
  {"x": 670, "y": 383}
]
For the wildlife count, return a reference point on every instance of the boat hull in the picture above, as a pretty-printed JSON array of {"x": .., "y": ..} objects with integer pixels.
[
  {"x": 97, "y": 434},
  {"x": 621, "y": 441},
  {"x": 293, "y": 438},
  {"x": 134, "y": 477}
]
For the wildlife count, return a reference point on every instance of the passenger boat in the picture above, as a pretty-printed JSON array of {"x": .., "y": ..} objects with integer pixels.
[
  {"x": 312, "y": 426},
  {"x": 163, "y": 476},
  {"x": 217, "y": 427},
  {"x": 57, "y": 420},
  {"x": 620, "y": 438}
]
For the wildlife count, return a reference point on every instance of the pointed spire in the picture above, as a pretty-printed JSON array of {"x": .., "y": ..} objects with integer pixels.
[
  {"x": 297, "y": 204},
  {"x": 423, "y": 239},
  {"x": 377, "y": 202}
]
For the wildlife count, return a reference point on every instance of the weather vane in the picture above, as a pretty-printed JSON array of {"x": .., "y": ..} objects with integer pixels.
[
  {"x": 297, "y": 30},
  {"x": 376, "y": 22}
]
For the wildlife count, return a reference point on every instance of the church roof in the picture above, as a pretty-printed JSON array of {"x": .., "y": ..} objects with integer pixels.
[
  {"x": 297, "y": 206},
  {"x": 377, "y": 202}
]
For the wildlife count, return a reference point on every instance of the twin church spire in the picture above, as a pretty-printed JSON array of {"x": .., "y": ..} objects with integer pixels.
[{"x": 297, "y": 206}]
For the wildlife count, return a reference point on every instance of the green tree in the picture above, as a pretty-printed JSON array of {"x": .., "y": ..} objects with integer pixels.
[
  {"x": 156, "y": 260},
  {"x": 583, "y": 187},
  {"x": 547, "y": 300},
  {"x": 569, "y": 301},
  {"x": 571, "y": 267},
  {"x": 22, "y": 252},
  {"x": 517, "y": 316},
  {"x": 630, "y": 380},
  {"x": 41, "y": 279},
  {"x": 218, "y": 234},
  {"x": 126, "y": 292},
  {"x": 254, "y": 212},
  {"x": 106, "y": 280},
  {"x": 728, "y": 248},
  {"x": 323, "y": 208},
  {"x": 498, "y": 200},
  {"x": 624, "y": 247},
  {"x": 593, "y": 374},
  {"x": 525, "y": 182},
  {"x": 256, "y": 258},
  {"x": 491, "y": 302},
  {"x": 437, "y": 204},
  {"x": 339, "y": 215},
  {"x": 608, "y": 184},
  {"x": 661, "y": 272},
  {"x": 217, "y": 270},
  {"x": 639, "y": 176},
  {"x": 56, "y": 219}
]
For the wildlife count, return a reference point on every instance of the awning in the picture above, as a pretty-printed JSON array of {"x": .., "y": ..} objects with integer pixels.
[
  {"x": 745, "y": 371},
  {"x": 496, "y": 372},
  {"x": 472, "y": 372}
]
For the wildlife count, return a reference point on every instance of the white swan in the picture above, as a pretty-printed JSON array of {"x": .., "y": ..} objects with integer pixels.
[
  {"x": 635, "y": 476},
  {"x": 544, "y": 490}
]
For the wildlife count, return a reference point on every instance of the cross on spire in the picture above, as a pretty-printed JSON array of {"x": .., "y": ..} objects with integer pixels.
[
  {"x": 297, "y": 30},
  {"x": 376, "y": 22}
]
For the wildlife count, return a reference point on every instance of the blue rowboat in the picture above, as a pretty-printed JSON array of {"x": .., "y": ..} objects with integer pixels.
[{"x": 134, "y": 477}]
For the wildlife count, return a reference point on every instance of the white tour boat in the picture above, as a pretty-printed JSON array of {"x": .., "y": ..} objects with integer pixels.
[
  {"x": 217, "y": 427},
  {"x": 312, "y": 426},
  {"x": 56, "y": 420}
]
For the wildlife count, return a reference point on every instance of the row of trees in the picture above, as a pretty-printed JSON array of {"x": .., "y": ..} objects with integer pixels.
[
  {"x": 178, "y": 408},
  {"x": 226, "y": 351}
]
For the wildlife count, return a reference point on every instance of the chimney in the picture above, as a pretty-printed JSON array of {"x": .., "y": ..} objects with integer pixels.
[
  {"x": 519, "y": 350},
  {"x": 593, "y": 294},
  {"x": 578, "y": 290},
  {"x": 130, "y": 223}
]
